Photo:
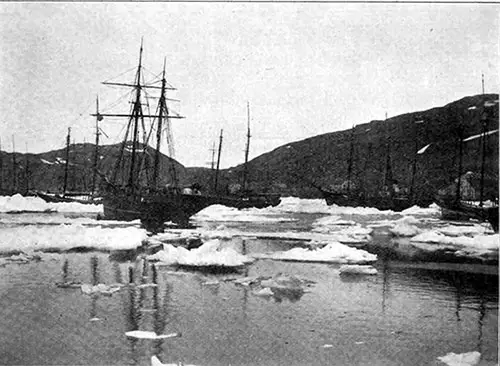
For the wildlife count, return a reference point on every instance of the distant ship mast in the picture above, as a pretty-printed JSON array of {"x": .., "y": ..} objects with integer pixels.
[{"x": 247, "y": 149}]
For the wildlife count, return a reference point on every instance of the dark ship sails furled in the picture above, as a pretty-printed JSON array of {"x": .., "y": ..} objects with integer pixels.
[
  {"x": 136, "y": 188},
  {"x": 462, "y": 200},
  {"x": 389, "y": 197}
]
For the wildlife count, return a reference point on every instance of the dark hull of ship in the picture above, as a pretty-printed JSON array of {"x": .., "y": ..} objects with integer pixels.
[
  {"x": 452, "y": 210},
  {"x": 154, "y": 208},
  {"x": 381, "y": 203},
  {"x": 253, "y": 201}
]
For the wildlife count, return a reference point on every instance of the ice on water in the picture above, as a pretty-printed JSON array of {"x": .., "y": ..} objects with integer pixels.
[
  {"x": 211, "y": 253},
  {"x": 64, "y": 237},
  {"x": 461, "y": 359},
  {"x": 18, "y": 203},
  {"x": 333, "y": 252}
]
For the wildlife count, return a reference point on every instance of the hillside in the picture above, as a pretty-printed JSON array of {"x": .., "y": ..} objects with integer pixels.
[{"x": 323, "y": 159}]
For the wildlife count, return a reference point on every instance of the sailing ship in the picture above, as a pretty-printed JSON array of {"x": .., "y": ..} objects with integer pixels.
[
  {"x": 137, "y": 193},
  {"x": 463, "y": 205},
  {"x": 390, "y": 197},
  {"x": 244, "y": 197},
  {"x": 67, "y": 196}
]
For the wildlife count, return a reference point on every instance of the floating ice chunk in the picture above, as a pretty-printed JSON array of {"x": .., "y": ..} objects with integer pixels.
[
  {"x": 405, "y": 227},
  {"x": 331, "y": 253},
  {"x": 156, "y": 362},
  {"x": 209, "y": 254},
  {"x": 150, "y": 335},
  {"x": 294, "y": 204},
  {"x": 266, "y": 291},
  {"x": 231, "y": 214},
  {"x": 18, "y": 203},
  {"x": 469, "y": 230},
  {"x": 211, "y": 283},
  {"x": 432, "y": 210},
  {"x": 488, "y": 242},
  {"x": 247, "y": 281},
  {"x": 65, "y": 237},
  {"x": 358, "y": 269},
  {"x": 461, "y": 359},
  {"x": 99, "y": 289}
]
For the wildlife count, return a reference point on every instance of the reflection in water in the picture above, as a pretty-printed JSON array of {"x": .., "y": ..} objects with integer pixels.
[
  {"x": 482, "y": 313},
  {"x": 65, "y": 271},
  {"x": 385, "y": 282}
]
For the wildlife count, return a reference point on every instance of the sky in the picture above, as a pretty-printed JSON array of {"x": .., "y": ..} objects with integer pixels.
[{"x": 305, "y": 68}]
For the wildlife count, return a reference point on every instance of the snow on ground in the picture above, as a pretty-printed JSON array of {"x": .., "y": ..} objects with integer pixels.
[
  {"x": 210, "y": 254},
  {"x": 18, "y": 203},
  {"x": 64, "y": 237},
  {"x": 332, "y": 252},
  {"x": 229, "y": 214},
  {"x": 461, "y": 359}
]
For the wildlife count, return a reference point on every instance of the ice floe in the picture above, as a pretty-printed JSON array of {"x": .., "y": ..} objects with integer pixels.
[
  {"x": 211, "y": 253},
  {"x": 19, "y": 203},
  {"x": 405, "y": 226},
  {"x": 280, "y": 286},
  {"x": 461, "y": 359},
  {"x": 100, "y": 289},
  {"x": 432, "y": 210},
  {"x": 65, "y": 237},
  {"x": 156, "y": 362},
  {"x": 150, "y": 335},
  {"x": 330, "y": 253},
  {"x": 231, "y": 214},
  {"x": 343, "y": 231},
  {"x": 479, "y": 246},
  {"x": 355, "y": 269}
]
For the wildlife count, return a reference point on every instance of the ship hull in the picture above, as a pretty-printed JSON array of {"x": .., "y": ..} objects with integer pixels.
[
  {"x": 155, "y": 208},
  {"x": 381, "y": 203},
  {"x": 452, "y": 210}
]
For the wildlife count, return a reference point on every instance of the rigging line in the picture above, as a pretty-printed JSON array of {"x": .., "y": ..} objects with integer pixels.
[
  {"x": 117, "y": 76},
  {"x": 117, "y": 101}
]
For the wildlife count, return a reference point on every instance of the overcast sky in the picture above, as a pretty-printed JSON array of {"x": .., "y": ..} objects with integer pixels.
[{"x": 306, "y": 69}]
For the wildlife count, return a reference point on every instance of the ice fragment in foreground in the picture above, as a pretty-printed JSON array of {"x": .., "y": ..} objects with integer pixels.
[
  {"x": 358, "y": 269},
  {"x": 156, "y": 362},
  {"x": 461, "y": 359},
  {"x": 149, "y": 335}
]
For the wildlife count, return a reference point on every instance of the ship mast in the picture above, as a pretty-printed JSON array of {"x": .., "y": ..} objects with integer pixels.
[
  {"x": 388, "y": 169},
  {"x": 460, "y": 156},
  {"x": 96, "y": 152},
  {"x": 218, "y": 162},
  {"x": 14, "y": 166},
  {"x": 136, "y": 118},
  {"x": 247, "y": 149},
  {"x": 349, "y": 166},
  {"x": 483, "y": 158},
  {"x": 66, "y": 164},
  {"x": 162, "y": 107}
]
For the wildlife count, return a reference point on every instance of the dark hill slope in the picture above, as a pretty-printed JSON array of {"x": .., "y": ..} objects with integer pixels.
[
  {"x": 324, "y": 158},
  {"x": 46, "y": 170}
]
